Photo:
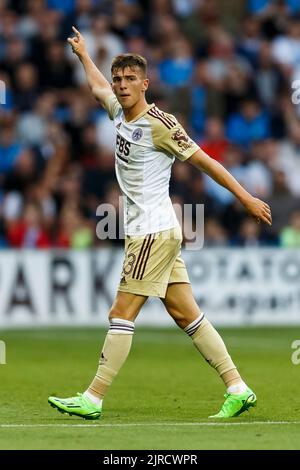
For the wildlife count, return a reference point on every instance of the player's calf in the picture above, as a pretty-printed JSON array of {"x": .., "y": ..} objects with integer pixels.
[{"x": 209, "y": 343}]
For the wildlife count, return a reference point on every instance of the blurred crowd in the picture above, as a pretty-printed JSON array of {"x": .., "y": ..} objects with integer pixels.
[{"x": 228, "y": 70}]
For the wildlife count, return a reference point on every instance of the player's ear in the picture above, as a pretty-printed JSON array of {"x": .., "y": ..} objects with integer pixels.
[{"x": 145, "y": 84}]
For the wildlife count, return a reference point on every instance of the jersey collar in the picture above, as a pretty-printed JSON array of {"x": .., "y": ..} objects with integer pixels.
[{"x": 149, "y": 106}]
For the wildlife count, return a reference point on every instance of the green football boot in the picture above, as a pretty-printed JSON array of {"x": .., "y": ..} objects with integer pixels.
[
  {"x": 235, "y": 404},
  {"x": 77, "y": 406}
]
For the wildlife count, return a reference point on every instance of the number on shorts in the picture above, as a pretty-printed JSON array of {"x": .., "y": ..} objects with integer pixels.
[{"x": 128, "y": 267}]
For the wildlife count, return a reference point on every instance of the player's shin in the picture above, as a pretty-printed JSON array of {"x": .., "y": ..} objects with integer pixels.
[
  {"x": 210, "y": 344},
  {"x": 114, "y": 353}
]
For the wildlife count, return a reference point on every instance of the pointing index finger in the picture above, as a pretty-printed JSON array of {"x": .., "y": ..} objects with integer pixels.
[{"x": 76, "y": 31}]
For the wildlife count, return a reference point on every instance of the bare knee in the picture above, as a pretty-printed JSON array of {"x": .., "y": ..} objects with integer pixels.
[
  {"x": 182, "y": 320},
  {"x": 183, "y": 323},
  {"x": 126, "y": 306},
  {"x": 181, "y": 305},
  {"x": 116, "y": 312}
]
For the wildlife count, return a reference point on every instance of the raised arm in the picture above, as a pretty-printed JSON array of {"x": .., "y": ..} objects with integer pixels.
[
  {"x": 98, "y": 84},
  {"x": 255, "y": 207}
]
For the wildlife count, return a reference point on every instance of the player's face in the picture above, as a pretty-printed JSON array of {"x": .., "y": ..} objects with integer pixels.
[{"x": 129, "y": 86}]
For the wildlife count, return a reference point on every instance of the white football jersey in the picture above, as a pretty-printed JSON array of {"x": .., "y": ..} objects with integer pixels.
[{"x": 146, "y": 148}]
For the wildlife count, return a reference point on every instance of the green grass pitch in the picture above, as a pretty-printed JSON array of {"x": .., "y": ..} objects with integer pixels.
[{"x": 161, "y": 398}]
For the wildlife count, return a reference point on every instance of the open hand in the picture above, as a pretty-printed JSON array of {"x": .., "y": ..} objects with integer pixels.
[
  {"x": 259, "y": 210},
  {"x": 77, "y": 43}
]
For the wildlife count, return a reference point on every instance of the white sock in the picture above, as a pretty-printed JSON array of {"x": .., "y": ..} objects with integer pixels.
[
  {"x": 236, "y": 389},
  {"x": 92, "y": 398}
]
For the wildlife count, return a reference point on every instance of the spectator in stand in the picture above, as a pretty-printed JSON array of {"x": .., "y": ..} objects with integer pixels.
[
  {"x": 27, "y": 88},
  {"x": 48, "y": 28},
  {"x": 10, "y": 148},
  {"x": 32, "y": 125},
  {"x": 80, "y": 15},
  {"x": 198, "y": 94},
  {"x": 288, "y": 157},
  {"x": 234, "y": 163},
  {"x": 214, "y": 234},
  {"x": 286, "y": 48},
  {"x": 232, "y": 217},
  {"x": 249, "y": 42},
  {"x": 290, "y": 235},
  {"x": 258, "y": 6},
  {"x": 249, "y": 124},
  {"x": 177, "y": 68},
  {"x": 227, "y": 74},
  {"x": 29, "y": 232},
  {"x": 15, "y": 53},
  {"x": 214, "y": 142},
  {"x": 250, "y": 235},
  {"x": 257, "y": 177},
  {"x": 97, "y": 179},
  {"x": 227, "y": 69},
  {"x": 74, "y": 230},
  {"x": 282, "y": 203},
  {"x": 264, "y": 7},
  {"x": 79, "y": 115},
  {"x": 6, "y": 98},
  {"x": 106, "y": 134},
  {"x": 58, "y": 72},
  {"x": 268, "y": 79},
  {"x": 102, "y": 44},
  {"x": 66, "y": 6}
]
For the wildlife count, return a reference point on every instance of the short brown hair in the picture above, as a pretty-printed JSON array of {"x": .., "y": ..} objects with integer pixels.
[{"x": 120, "y": 62}]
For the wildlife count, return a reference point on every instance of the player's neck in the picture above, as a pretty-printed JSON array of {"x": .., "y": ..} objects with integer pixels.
[{"x": 135, "y": 110}]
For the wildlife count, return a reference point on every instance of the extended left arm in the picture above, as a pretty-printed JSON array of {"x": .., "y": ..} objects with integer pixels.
[{"x": 257, "y": 208}]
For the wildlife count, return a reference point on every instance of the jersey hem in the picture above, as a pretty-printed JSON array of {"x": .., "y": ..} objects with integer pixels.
[{"x": 143, "y": 232}]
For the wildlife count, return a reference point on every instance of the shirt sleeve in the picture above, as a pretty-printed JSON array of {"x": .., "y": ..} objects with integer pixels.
[
  {"x": 175, "y": 141},
  {"x": 112, "y": 106}
]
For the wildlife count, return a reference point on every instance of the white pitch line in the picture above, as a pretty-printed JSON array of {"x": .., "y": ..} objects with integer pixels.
[{"x": 125, "y": 425}]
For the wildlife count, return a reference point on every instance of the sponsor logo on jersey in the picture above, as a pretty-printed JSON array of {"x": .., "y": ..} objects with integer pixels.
[
  {"x": 137, "y": 134},
  {"x": 182, "y": 139}
]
